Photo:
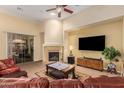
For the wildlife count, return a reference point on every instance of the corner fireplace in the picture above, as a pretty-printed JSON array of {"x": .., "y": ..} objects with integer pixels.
[{"x": 53, "y": 56}]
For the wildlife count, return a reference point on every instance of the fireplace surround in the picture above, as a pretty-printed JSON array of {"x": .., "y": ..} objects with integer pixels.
[
  {"x": 53, "y": 56},
  {"x": 52, "y": 53}
]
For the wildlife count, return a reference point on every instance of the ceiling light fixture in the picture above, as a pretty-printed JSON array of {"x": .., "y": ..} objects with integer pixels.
[
  {"x": 59, "y": 9},
  {"x": 52, "y": 14},
  {"x": 18, "y": 41}
]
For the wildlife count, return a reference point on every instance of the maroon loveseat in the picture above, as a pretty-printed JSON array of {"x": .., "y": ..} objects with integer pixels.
[
  {"x": 90, "y": 82},
  {"x": 97, "y": 82},
  {"x": 66, "y": 83},
  {"x": 8, "y": 66},
  {"x": 104, "y": 82},
  {"x": 24, "y": 82},
  {"x": 39, "y": 83}
]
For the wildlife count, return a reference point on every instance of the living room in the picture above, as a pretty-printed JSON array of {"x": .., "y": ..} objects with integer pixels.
[{"x": 56, "y": 40}]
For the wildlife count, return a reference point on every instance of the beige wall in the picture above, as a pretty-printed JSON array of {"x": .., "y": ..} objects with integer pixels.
[
  {"x": 18, "y": 25},
  {"x": 42, "y": 43},
  {"x": 112, "y": 31}
]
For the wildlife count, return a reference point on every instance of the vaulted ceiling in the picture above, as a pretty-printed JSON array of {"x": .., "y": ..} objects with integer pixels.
[{"x": 38, "y": 12}]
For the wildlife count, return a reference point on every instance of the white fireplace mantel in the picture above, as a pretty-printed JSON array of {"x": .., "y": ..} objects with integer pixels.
[{"x": 52, "y": 44}]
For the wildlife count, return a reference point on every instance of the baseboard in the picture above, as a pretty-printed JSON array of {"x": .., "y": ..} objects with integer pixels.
[{"x": 39, "y": 61}]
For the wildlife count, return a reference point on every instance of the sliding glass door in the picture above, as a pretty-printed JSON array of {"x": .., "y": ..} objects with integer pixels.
[{"x": 20, "y": 47}]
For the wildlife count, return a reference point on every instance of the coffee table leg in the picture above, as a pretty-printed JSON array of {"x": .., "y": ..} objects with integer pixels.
[
  {"x": 46, "y": 69},
  {"x": 73, "y": 71},
  {"x": 66, "y": 75}
]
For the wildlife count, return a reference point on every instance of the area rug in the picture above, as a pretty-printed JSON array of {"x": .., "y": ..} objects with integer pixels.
[{"x": 42, "y": 73}]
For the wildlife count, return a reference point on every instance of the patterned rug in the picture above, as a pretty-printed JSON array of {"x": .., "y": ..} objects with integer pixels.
[{"x": 78, "y": 74}]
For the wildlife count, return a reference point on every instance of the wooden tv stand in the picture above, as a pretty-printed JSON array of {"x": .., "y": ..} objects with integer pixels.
[{"x": 96, "y": 64}]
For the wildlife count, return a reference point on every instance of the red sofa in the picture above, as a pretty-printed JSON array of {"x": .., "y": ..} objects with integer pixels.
[
  {"x": 104, "y": 82},
  {"x": 66, "y": 83},
  {"x": 8, "y": 66},
  {"x": 98, "y": 82},
  {"x": 24, "y": 82},
  {"x": 39, "y": 83}
]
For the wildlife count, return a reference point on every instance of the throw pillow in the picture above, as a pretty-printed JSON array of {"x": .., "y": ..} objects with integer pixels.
[
  {"x": 2, "y": 66},
  {"x": 9, "y": 62}
]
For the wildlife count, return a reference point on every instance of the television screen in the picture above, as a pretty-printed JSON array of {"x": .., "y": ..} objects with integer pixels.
[{"x": 95, "y": 43}]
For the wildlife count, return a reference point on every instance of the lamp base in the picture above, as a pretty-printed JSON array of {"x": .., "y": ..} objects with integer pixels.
[{"x": 70, "y": 53}]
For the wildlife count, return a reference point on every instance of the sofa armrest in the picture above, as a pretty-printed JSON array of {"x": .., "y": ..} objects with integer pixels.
[
  {"x": 9, "y": 70},
  {"x": 24, "y": 82}
]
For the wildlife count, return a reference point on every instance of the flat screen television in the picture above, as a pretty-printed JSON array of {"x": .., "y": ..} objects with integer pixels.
[{"x": 94, "y": 43}]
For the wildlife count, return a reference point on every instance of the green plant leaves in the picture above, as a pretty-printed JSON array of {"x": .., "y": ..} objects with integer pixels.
[{"x": 110, "y": 53}]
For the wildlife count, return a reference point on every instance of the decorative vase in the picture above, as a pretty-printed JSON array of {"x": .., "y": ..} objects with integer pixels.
[{"x": 111, "y": 67}]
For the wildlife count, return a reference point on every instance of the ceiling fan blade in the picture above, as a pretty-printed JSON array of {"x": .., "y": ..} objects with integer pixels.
[
  {"x": 51, "y": 9},
  {"x": 68, "y": 10},
  {"x": 59, "y": 14}
]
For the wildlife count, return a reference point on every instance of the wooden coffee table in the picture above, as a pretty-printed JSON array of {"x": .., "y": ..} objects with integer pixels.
[{"x": 60, "y": 67}]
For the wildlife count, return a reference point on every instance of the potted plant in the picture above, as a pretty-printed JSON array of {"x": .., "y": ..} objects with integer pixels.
[{"x": 111, "y": 54}]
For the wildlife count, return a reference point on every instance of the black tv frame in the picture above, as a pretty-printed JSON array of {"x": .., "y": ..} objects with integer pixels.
[{"x": 89, "y": 48}]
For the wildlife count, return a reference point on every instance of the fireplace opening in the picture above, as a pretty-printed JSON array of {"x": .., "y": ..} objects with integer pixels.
[{"x": 53, "y": 56}]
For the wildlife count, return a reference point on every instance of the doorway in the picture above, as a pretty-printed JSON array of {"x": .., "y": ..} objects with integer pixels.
[{"x": 20, "y": 47}]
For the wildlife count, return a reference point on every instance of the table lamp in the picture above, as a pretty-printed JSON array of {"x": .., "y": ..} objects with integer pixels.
[{"x": 71, "y": 48}]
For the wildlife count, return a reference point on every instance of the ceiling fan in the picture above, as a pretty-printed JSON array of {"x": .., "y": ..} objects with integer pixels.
[{"x": 59, "y": 9}]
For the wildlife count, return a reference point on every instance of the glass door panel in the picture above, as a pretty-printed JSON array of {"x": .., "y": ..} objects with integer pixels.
[{"x": 20, "y": 47}]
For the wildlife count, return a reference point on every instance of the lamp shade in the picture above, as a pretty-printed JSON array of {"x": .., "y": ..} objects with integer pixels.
[{"x": 71, "y": 47}]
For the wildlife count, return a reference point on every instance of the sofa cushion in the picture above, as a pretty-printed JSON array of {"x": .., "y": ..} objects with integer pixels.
[
  {"x": 2, "y": 66},
  {"x": 24, "y": 82},
  {"x": 16, "y": 74},
  {"x": 66, "y": 83},
  {"x": 104, "y": 82},
  {"x": 9, "y": 62},
  {"x": 9, "y": 70}
]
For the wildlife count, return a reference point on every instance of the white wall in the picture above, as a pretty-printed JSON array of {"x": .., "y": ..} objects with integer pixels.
[
  {"x": 53, "y": 30},
  {"x": 65, "y": 44}
]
